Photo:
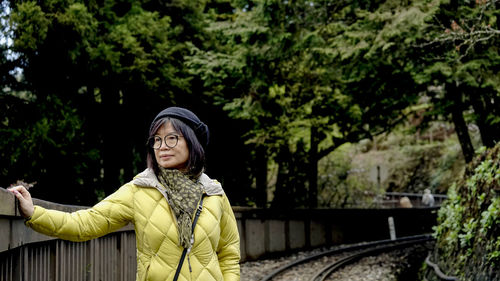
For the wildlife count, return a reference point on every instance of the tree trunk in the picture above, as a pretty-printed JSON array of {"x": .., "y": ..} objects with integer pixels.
[
  {"x": 313, "y": 168},
  {"x": 135, "y": 148},
  {"x": 112, "y": 139},
  {"x": 92, "y": 180},
  {"x": 498, "y": 8},
  {"x": 282, "y": 198},
  {"x": 456, "y": 110},
  {"x": 491, "y": 102},
  {"x": 261, "y": 176},
  {"x": 485, "y": 130}
]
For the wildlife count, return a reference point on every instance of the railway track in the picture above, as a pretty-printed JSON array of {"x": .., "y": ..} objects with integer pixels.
[{"x": 319, "y": 266}]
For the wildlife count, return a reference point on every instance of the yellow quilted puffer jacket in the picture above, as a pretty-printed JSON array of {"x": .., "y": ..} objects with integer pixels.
[{"x": 214, "y": 256}]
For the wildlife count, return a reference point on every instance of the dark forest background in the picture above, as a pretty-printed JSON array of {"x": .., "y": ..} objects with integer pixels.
[{"x": 282, "y": 85}]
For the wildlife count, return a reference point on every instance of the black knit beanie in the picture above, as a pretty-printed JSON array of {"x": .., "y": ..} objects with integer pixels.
[{"x": 188, "y": 117}]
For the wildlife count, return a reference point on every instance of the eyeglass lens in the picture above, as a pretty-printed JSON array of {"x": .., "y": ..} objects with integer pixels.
[{"x": 170, "y": 141}]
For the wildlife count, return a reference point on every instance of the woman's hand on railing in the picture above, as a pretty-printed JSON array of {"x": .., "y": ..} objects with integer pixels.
[{"x": 25, "y": 202}]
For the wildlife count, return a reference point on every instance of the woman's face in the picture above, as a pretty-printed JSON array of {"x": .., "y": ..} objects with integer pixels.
[{"x": 175, "y": 157}]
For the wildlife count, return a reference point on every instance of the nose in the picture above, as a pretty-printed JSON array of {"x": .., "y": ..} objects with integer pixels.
[{"x": 164, "y": 146}]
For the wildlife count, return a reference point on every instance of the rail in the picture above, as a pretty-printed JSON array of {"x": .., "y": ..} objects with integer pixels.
[
  {"x": 325, "y": 272},
  {"x": 368, "y": 246}
]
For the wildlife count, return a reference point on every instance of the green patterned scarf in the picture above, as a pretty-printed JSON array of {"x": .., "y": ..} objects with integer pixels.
[{"x": 184, "y": 194}]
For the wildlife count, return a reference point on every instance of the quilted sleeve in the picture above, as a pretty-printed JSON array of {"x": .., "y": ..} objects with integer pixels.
[
  {"x": 228, "y": 249},
  {"x": 112, "y": 213}
]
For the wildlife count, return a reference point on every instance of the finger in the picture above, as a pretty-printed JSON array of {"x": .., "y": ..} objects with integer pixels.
[
  {"x": 25, "y": 193},
  {"x": 19, "y": 196},
  {"x": 21, "y": 190},
  {"x": 23, "y": 200},
  {"x": 16, "y": 188},
  {"x": 13, "y": 190},
  {"x": 25, "y": 205}
]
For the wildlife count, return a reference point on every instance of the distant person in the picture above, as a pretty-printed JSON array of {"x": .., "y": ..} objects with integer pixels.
[
  {"x": 162, "y": 198},
  {"x": 427, "y": 198},
  {"x": 405, "y": 202}
]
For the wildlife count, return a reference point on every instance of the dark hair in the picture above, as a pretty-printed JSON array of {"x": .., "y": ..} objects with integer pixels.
[{"x": 196, "y": 161}]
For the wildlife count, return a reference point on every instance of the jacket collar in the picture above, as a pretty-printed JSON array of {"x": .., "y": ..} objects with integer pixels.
[{"x": 147, "y": 178}]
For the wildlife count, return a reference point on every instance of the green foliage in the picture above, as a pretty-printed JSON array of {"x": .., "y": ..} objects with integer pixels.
[
  {"x": 459, "y": 46},
  {"x": 33, "y": 22},
  {"x": 468, "y": 223},
  {"x": 44, "y": 139},
  {"x": 294, "y": 80},
  {"x": 310, "y": 72},
  {"x": 356, "y": 175},
  {"x": 96, "y": 71},
  {"x": 344, "y": 184},
  {"x": 491, "y": 216}
]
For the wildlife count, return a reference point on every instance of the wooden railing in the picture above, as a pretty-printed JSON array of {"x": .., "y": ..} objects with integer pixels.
[
  {"x": 29, "y": 256},
  {"x": 108, "y": 258}
]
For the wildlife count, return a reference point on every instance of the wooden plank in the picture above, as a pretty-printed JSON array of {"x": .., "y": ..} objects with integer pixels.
[{"x": 7, "y": 203}]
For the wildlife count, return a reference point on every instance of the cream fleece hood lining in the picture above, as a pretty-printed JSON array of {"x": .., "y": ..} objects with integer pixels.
[{"x": 147, "y": 178}]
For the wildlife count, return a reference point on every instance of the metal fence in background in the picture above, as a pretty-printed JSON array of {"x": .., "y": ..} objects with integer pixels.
[{"x": 392, "y": 199}]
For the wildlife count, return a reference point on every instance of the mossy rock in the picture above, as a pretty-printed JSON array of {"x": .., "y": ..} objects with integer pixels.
[{"x": 468, "y": 230}]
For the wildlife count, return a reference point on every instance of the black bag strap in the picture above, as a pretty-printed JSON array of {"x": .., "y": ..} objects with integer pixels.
[{"x": 183, "y": 256}]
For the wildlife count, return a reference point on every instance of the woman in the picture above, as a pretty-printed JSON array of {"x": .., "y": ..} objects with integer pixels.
[{"x": 163, "y": 198}]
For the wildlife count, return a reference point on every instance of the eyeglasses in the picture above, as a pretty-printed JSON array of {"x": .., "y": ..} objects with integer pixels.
[{"x": 170, "y": 141}]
